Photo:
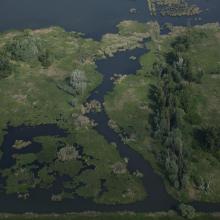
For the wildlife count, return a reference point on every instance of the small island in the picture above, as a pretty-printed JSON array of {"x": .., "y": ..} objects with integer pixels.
[{"x": 20, "y": 144}]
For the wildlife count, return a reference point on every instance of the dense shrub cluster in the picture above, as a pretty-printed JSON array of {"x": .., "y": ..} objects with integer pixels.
[
  {"x": 5, "y": 66},
  {"x": 24, "y": 47},
  {"x": 28, "y": 48}
]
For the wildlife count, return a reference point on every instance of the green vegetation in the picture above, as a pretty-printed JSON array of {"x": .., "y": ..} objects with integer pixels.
[
  {"x": 187, "y": 211},
  {"x": 19, "y": 144},
  {"x": 169, "y": 110},
  {"x": 46, "y": 76}
]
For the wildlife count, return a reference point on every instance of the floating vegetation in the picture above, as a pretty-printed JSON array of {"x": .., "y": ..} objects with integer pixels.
[
  {"x": 92, "y": 106},
  {"x": 173, "y": 8},
  {"x": 68, "y": 153},
  {"x": 20, "y": 144}
]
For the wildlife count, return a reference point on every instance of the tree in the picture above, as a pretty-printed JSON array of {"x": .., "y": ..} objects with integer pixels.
[
  {"x": 211, "y": 137},
  {"x": 187, "y": 211},
  {"x": 24, "y": 48},
  {"x": 78, "y": 81},
  {"x": 172, "y": 169},
  {"x": 45, "y": 58}
]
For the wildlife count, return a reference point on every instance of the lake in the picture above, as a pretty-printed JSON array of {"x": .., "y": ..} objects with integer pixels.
[{"x": 92, "y": 17}]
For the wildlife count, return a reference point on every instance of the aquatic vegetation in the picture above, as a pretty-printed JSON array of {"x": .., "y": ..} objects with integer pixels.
[{"x": 172, "y": 8}]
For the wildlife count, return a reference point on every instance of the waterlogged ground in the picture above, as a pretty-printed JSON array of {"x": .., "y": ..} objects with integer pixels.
[{"x": 63, "y": 140}]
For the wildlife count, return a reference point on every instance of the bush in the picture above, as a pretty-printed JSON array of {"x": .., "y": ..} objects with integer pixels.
[
  {"x": 211, "y": 138},
  {"x": 187, "y": 211},
  {"x": 5, "y": 66},
  {"x": 24, "y": 48},
  {"x": 45, "y": 58}
]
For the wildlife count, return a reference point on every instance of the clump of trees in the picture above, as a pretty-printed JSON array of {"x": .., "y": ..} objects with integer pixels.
[
  {"x": 76, "y": 84},
  {"x": 28, "y": 48},
  {"x": 174, "y": 111},
  {"x": 24, "y": 47}
]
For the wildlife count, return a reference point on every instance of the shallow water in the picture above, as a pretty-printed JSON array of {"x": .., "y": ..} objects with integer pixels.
[{"x": 92, "y": 17}]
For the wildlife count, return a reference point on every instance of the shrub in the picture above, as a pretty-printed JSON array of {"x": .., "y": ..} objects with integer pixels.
[
  {"x": 78, "y": 81},
  {"x": 187, "y": 211},
  {"x": 5, "y": 66},
  {"x": 45, "y": 58},
  {"x": 24, "y": 48},
  {"x": 68, "y": 153}
]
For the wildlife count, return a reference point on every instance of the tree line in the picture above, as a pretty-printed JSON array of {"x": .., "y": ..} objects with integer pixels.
[{"x": 174, "y": 112}]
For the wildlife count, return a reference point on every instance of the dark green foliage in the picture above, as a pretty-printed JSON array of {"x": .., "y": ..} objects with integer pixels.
[
  {"x": 174, "y": 111},
  {"x": 181, "y": 43},
  {"x": 24, "y": 48},
  {"x": 209, "y": 138},
  {"x": 46, "y": 58},
  {"x": 5, "y": 66},
  {"x": 28, "y": 48},
  {"x": 167, "y": 124}
]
